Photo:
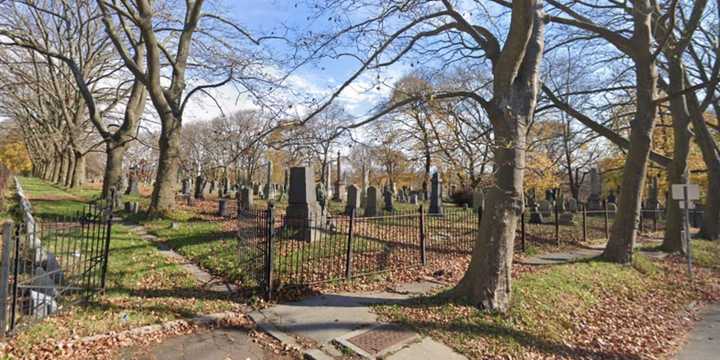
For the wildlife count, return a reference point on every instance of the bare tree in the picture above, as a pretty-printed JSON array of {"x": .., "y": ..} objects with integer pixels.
[{"x": 177, "y": 42}]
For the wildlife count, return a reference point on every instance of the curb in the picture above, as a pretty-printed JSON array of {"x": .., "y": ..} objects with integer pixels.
[
  {"x": 204, "y": 320},
  {"x": 264, "y": 324}
]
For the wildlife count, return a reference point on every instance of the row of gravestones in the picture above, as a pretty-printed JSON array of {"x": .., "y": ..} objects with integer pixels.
[
  {"x": 45, "y": 269},
  {"x": 306, "y": 213},
  {"x": 566, "y": 209}
]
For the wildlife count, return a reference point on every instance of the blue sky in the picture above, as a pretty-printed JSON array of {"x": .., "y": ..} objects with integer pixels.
[{"x": 265, "y": 16}]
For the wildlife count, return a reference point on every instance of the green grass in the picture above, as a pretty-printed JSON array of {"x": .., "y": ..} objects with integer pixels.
[
  {"x": 143, "y": 286},
  {"x": 206, "y": 243},
  {"x": 545, "y": 306},
  {"x": 706, "y": 253}
]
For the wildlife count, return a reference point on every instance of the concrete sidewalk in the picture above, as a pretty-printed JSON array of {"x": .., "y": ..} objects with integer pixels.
[
  {"x": 337, "y": 323},
  {"x": 704, "y": 339}
]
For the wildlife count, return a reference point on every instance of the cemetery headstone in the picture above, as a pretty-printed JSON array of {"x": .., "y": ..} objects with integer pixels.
[
  {"x": 337, "y": 191},
  {"x": 436, "y": 195},
  {"x": 546, "y": 208},
  {"x": 388, "y": 199},
  {"x": 414, "y": 199},
  {"x": 223, "y": 208},
  {"x": 269, "y": 190},
  {"x": 566, "y": 218},
  {"x": 303, "y": 213},
  {"x": 363, "y": 186},
  {"x": 321, "y": 195},
  {"x": 653, "y": 203},
  {"x": 246, "y": 196},
  {"x": 200, "y": 183},
  {"x": 594, "y": 202},
  {"x": 535, "y": 216},
  {"x": 353, "y": 199},
  {"x": 572, "y": 205},
  {"x": 371, "y": 208},
  {"x": 133, "y": 182},
  {"x": 185, "y": 188}
]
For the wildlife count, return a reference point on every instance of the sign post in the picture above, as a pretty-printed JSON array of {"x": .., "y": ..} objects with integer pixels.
[{"x": 685, "y": 193}]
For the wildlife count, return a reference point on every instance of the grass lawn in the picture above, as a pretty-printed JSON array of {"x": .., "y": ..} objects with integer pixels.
[
  {"x": 568, "y": 311},
  {"x": 143, "y": 287}
]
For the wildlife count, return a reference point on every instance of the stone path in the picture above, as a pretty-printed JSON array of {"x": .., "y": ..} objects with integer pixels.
[
  {"x": 579, "y": 255},
  {"x": 345, "y": 321},
  {"x": 206, "y": 344},
  {"x": 704, "y": 339},
  {"x": 562, "y": 257},
  {"x": 207, "y": 281}
]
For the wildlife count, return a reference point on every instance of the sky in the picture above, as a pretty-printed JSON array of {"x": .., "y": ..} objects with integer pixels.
[{"x": 317, "y": 80}]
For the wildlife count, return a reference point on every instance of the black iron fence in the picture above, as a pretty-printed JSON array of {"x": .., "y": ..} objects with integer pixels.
[
  {"x": 47, "y": 265},
  {"x": 278, "y": 250}
]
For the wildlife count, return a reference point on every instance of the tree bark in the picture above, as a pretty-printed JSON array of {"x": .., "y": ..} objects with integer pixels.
[
  {"x": 672, "y": 241},
  {"x": 487, "y": 282},
  {"x": 163, "y": 196},
  {"x": 79, "y": 174},
  {"x": 622, "y": 236},
  {"x": 115, "y": 153},
  {"x": 711, "y": 154},
  {"x": 70, "y": 172}
]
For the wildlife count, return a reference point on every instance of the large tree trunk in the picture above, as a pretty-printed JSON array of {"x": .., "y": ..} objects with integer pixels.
[
  {"x": 711, "y": 154},
  {"x": 70, "y": 169},
  {"x": 112, "y": 179},
  {"x": 79, "y": 173},
  {"x": 54, "y": 168},
  {"x": 622, "y": 237},
  {"x": 672, "y": 240},
  {"x": 163, "y": 196},
  {"x": 487, "y": 281},
  {"x": 63, "y": 169}
]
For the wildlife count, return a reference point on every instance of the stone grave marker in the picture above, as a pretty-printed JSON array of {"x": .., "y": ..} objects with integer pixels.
[
  {"x": 371, "y": 208},
  {"x": 436, "y": 195},
  {"x": 353, "y": 199}
]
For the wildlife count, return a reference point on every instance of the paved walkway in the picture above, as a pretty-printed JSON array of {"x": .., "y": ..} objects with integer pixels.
[
  {"x": 215, "y": 344},
  {"x": 580, "y": 255},
  {"x": 345, "y": 321},
  {"x": 704, "y": 339}
]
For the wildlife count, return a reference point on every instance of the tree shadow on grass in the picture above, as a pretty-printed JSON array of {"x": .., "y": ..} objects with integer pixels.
[{"x": 465, "y": 327}]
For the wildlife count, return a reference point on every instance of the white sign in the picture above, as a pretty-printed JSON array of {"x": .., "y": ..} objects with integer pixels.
[{"x": 678, "y": 191}]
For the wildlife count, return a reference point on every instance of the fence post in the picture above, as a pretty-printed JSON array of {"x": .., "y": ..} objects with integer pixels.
[
  {"x": 349, "y": 253},
  {"x": 584, "y": 220},
  {"x": 269, "y": 252},
  {"x": 16, "y": 259},
  {"x": 108, "y": 236},
  {"x": 7, "y": 233},
  {"x": 522, "y": 229},
  {"x": 655, "y": 216},
  {"x": 607, "y": 229},
  {"x": 557, "y": 224},
  {"x": 641, "y": 219},
  {"x": 423, "y": 257}
]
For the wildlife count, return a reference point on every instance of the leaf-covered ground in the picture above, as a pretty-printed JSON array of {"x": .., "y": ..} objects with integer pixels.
[
  {"x": 144, "y": 287},
  {"x": 588, "y": 309}
]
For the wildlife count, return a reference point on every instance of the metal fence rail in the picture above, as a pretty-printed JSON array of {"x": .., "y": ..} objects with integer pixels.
[
  {"x": 50, "y": 264},
  {"x": 277, "y": 250}
]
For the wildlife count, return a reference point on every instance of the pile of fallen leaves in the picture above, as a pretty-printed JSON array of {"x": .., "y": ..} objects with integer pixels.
[{"x": 650, "y": 321}]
